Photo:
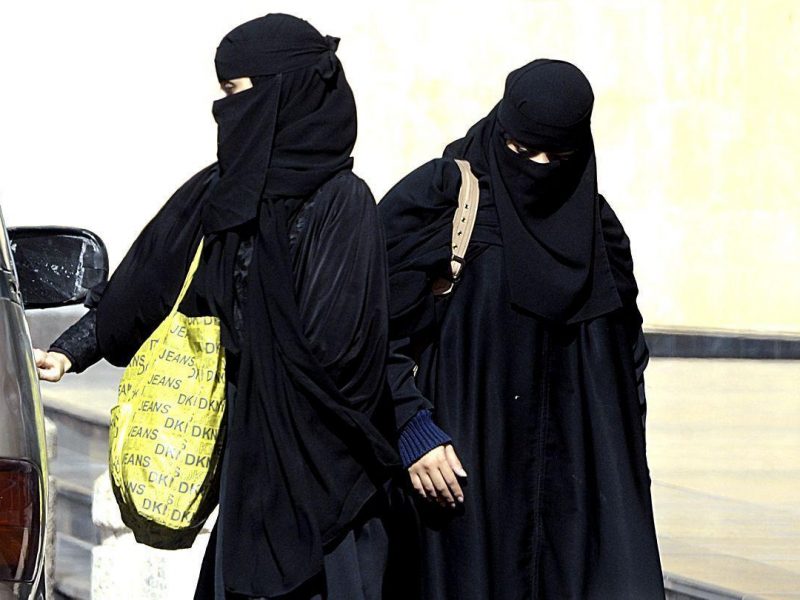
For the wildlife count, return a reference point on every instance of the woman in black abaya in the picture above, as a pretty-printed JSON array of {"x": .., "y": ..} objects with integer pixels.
[
  {"x": 294, "y": 267},
  {"x": 524, "y": 423}
]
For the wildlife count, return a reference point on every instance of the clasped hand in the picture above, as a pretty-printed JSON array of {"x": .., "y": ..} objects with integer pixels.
[{"x": 435, "y": 476}]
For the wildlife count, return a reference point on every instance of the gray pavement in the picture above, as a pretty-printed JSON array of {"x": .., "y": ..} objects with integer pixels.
[{"x": 724, "y": 454}]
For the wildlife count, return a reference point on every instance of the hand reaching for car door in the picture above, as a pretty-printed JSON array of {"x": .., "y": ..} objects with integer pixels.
[{"x": 51, "y": 366}]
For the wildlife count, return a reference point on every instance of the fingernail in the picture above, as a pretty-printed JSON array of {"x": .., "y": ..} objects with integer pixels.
[
  {"x": 461, "y": 499},
  {"x": 461, "y": 473}
]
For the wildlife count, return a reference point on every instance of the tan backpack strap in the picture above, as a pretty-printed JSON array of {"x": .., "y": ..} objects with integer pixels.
[
  {"x": 463, "y": 224},
  {"x": 464, "y": 219}
]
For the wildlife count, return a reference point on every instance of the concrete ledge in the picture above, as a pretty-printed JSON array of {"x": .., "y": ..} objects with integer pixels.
[
  {"x": 669, "y": 343},
  {"x": 73, "y": 570},
  {"x": 61, "y": 404},
  {"x": 120, "y": 563},
  {"x": 681, "y": 588}
]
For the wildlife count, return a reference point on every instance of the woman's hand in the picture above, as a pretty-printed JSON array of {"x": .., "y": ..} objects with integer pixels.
[
  {"x": 435, "y": 476},
  {"x": 51, "y": 366}
]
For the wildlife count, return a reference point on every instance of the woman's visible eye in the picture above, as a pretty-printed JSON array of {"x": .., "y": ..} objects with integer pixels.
[
  {"x": 517, "y": 147},
  {"x": 234, "y": 86}
]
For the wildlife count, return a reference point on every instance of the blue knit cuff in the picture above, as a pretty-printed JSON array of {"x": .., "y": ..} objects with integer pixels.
[{"x": 419, "y": 436}]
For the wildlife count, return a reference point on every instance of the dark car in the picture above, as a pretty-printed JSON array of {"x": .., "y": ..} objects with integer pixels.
[{"x": 39, "y": 268}]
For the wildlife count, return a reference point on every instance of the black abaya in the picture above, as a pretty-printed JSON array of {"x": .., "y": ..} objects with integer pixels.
[
  {"x": 336, "y": 247},
  {"x": 545, "y": 417},
  {"x": 307, "y": 332}
]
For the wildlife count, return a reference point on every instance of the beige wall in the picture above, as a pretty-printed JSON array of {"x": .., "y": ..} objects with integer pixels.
[{"x": 106, "y": 110}]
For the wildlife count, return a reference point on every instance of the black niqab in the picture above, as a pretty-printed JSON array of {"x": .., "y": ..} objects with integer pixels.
[
  {"x": 289, "y": 133},
  {"x": 556, "y": 262}
]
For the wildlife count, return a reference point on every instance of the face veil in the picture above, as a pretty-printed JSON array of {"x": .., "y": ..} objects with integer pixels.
[
  {"x": 289, "y": 133},
  {"x": 555, "y": 258}
]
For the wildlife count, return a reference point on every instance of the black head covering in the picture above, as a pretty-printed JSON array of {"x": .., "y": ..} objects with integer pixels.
[
  {"x": 288, "y": 134},
  {"x": 556, "y": 263}
]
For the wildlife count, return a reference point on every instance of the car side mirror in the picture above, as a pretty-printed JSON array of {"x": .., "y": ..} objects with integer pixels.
[{"x": 57, "y": 266}]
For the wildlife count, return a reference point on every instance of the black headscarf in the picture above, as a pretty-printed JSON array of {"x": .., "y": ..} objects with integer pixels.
[
  {"x": 556, "y": 263},
  {"x": 303, "y": 454}
]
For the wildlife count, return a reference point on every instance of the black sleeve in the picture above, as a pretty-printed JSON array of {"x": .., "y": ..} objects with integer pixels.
[
  {"x": 618, "y": 248},
  {"x": 79, "y": 343},
  {"x": 401, "y": 367},
  {"x": 417, "y": 433},
  {"x": 417, "y": 215},
  {"x": 342, "y": 291},
  {"x": 620, "y": 260},
  {"x": 126, "y": 309},
  {"x": 144, "y": 286}
]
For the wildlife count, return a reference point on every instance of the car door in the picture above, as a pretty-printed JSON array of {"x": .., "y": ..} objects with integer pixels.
[{"x": 39, "y": 268}]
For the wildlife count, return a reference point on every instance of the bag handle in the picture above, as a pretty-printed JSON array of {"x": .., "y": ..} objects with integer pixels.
[
  {"x": 189, "y": 276},
  {"x": 463, "y": 225}
]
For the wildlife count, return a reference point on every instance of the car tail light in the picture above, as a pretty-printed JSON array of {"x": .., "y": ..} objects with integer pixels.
[{"x": 20, "y": 519}]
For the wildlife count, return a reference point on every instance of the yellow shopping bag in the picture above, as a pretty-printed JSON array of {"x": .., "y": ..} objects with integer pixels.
[{"x": 166, "y": 430}]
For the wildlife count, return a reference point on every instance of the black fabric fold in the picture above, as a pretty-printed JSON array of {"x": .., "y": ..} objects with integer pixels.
[{"x": 300, "y": 429}]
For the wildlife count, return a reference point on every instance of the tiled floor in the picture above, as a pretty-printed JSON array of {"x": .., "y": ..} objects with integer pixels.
[{"x": 724, "y": 452}]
